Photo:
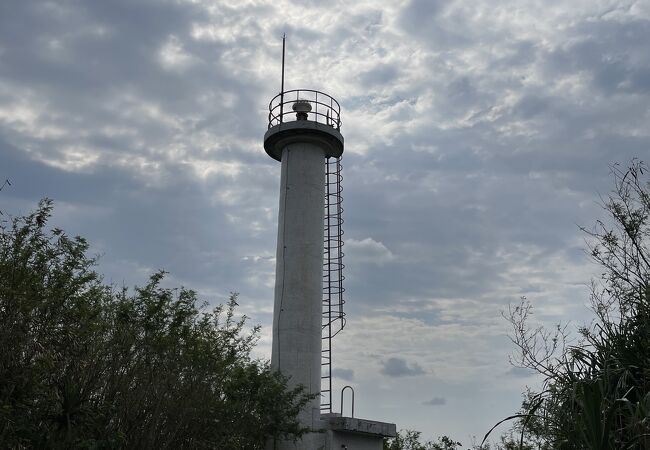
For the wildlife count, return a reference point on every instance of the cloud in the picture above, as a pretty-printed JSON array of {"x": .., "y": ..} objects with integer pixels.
[
  {"x": 343, "y": 374},
  {"x": 419, "y": 14},
  {"x": 367, "y": 251},
  {"x": 436, "y": 401},
  {"x": 398, "y": 367},
  {"x": 521, "y": 372},
  {"x": 380, "y": 74}
]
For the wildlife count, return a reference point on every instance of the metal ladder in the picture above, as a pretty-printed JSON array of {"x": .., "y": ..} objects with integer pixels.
[{"x": 333, "y": 319}]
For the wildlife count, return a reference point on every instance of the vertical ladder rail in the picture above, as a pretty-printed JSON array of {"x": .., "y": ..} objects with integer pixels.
[{"x": 333, "y": 317}]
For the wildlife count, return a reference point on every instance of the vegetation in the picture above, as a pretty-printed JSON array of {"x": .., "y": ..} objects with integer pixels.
[
  {"x": 410, "y": 440},
  {"x": 83, "y": 365},
  {"x": 596, "y": 391}
]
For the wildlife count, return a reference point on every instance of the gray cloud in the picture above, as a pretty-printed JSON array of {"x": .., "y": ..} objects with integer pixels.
[
  {"x": 381, "y": 74},
  {"x": 398, "y": 367},
  {"x": 343, "y": 374},
  {"x": 436, "y": 401},
  {"x": 419, "y": 12},
  {"x": 520, "y": 372}
]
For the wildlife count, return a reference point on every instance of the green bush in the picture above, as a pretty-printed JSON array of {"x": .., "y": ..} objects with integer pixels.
[
  {"x": 83, "y": 365},
  {"x": 596, "y": 392}
]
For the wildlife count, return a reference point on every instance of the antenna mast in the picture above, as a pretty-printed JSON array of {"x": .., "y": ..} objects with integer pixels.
[{"x": 284, "y": 38}]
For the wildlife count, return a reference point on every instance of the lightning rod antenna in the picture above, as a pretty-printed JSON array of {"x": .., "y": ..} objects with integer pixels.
[{"x": 284, "y": 37}]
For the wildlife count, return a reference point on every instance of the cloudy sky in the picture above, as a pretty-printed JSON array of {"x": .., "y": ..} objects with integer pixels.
[{"x": 478, "y": 136}]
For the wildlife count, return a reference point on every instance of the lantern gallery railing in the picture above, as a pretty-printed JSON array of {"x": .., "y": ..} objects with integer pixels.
[{"x": 304, "y": 104}]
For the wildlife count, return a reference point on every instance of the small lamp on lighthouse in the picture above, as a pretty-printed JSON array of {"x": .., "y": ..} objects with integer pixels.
[{"x": 301, "y": 107}]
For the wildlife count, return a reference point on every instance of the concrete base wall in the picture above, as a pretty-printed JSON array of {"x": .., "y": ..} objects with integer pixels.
[
  {"x": 339, "y": 440},
  {"x": 342, "y": 433},
  {"x": 331, "y": 440},
  {"x": 310, "y": 441}
]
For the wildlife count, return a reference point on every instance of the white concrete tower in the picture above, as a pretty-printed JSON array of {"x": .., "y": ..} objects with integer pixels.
[{"x": 303, "y": 132}]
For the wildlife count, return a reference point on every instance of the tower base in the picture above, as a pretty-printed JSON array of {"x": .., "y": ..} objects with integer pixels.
[{"x": 341, "y": 433}]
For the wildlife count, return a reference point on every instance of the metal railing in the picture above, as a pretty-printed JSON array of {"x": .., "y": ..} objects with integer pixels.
[
  {"x": 351, "y": 390},
  {"x": 324, "y": 108}
]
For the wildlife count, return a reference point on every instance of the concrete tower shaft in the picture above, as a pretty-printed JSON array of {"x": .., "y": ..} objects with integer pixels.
[{"x": 298, "y": 273}]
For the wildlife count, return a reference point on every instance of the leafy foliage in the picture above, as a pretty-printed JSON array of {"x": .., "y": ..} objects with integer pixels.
[
  {"x": 85, "y": 366},
  {"x": 410, "y": 440},
  {"x": 596, "y": 393}
]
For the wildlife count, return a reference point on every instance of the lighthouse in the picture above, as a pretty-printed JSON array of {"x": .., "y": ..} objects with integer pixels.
[
  {"x": 304, "y": 133},
  {"x": 302, "y": 144}
]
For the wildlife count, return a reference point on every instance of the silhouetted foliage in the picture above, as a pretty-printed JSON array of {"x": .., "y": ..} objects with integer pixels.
[
  {"x": 596, "y": 392},
  {"x": 410, "y": 440},
  {"x": 83, "y": 365},
  {"x": 4, "y": 184}
]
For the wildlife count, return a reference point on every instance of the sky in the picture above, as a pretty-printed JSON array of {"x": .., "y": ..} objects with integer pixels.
[{"x": 478, "y": 138}]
